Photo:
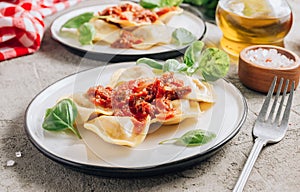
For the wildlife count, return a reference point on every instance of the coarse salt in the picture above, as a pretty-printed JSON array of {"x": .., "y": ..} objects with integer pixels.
[
  {"x": 18, "y": 154},
  {"x": 269, "y": 58},
  {"x": 10, "y": 163}
]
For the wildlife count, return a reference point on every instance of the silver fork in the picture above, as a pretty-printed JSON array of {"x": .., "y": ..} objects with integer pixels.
[{"x": 268, "y": 127}]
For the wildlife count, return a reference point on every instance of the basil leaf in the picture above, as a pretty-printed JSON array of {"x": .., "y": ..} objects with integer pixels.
[
  {"x": 86, "y": 33},
  {"x": 213, "y": 64},
  {"x": 172, "y": 65},
  {"x": 170, "y": 3},
  {"x": 193, "y": 53},
  {"x": 77, "y": 21},
  {"x": 181, "y": 36},
  {"x": 196, "y": 137},
  {"x": 150, "y": 62},
  {"x": 48, "y": 111},
  {"x": 192, "y": 138},
  {"x": 61, "y": 117},
  {"x": 150, "y": 4}
]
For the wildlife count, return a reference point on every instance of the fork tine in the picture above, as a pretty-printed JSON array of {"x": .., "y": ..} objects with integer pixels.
[
  {"x": 276, "y": 121},
  {"x": 287, "y": 110},
  {"x": 264, "y": 108},
  {"x": 271, "y": 114}
]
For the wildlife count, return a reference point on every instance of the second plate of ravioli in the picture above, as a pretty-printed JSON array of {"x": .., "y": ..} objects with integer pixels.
[
  {"x": 185, "y": 20},
  {"x": 94, "y": 156}
]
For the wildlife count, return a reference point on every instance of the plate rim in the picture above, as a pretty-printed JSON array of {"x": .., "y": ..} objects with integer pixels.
[
  {"x": 123, "y": 172},
  {"x": 92, "y": 53}
]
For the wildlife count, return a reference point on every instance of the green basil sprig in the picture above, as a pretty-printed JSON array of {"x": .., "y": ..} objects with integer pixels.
[
  {"x": 213, "y": 64},
  {"x": 150, "y": 62},
  {"x": 181, "y": 36},
  {"x": 192, "y": 53},
  {"x": 61, "y": 117},
  {"x": 172, "y": 65},
  {"x": 87, "y": 32},
  {"x": 210, "y": 63},
  {"x": 77, "y": 21},
  {"x": 151, "y": 4},
  {"x": 192, "y": 138}
]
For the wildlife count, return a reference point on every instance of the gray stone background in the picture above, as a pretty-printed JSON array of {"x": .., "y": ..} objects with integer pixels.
[{"x": 277, "y": 168}]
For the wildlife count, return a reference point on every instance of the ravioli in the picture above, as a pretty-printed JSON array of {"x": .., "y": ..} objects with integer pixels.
[
  {"x": 152, "y": 35},
  {"x": 87, "y": 109},
  {"x": 184, "y": 109},
  {"x": 137, "y": 98},
  {"x": 118, "y": 130},
  {"x": 128, "y": 14},
  {"x": 105, "y": 31},
  {"x": 129, "y": 25},
  {"x": 201, "y": 91},
  {"x": 166, "y": 13},
  {"x": 126, "y": 25},
  {"x": 127, "y": 74}
]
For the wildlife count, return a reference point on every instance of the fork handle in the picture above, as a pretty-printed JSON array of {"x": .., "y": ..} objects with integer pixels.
[{"x": 257, "y": 147}]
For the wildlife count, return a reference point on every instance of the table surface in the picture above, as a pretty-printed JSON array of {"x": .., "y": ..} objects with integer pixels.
[{"x": 277, "y": 167}]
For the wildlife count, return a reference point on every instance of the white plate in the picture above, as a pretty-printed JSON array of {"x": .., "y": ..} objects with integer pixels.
[
  {"x": 185, "y": 20},
  {"x": 97, "y": 157}
]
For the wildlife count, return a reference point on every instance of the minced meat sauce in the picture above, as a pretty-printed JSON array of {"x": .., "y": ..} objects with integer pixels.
[
  {"x": 132, "y": 13},
  {"x": 140, "y": 98},
  {"x": 138, "y": 13},
  {"x": 126, "y": 40}
]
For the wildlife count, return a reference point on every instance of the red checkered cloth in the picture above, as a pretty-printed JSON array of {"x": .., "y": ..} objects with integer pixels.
[{"x": 22, "y": 25}]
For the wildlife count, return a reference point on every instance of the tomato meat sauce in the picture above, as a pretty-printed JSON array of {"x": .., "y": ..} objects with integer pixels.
[
  {"x": 100, "y": 96},
  {"x": 141, "y": 98},
  {"x": 126, "y": 40},
  {"x": 165, "y": 10},
  {"x": 130, "y": 12}
]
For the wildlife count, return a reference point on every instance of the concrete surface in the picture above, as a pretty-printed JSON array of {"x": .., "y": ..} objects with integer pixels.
[{"x": 277, "y": 168}]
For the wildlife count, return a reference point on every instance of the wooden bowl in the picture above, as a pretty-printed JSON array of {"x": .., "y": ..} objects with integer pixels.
[{"x": 259, "y": 78}]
